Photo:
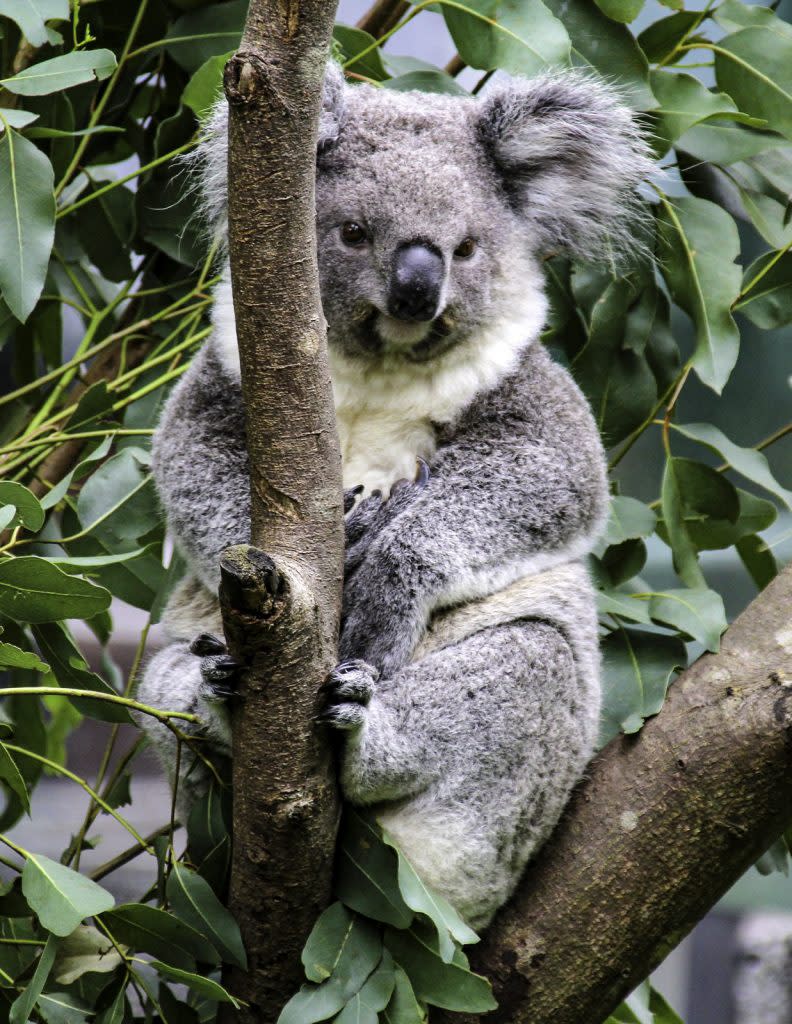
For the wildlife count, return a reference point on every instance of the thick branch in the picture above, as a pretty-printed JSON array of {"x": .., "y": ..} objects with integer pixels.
[
  {"x": 667, "y": 822},
  {"x": 281, "y": 610}
]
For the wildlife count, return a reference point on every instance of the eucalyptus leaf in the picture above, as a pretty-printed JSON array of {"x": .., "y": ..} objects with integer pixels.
[
  {"x": 27, "y": 222},
  {"x": 451, "y": 986},
  {"x": 60, "y": 897},
  {"x": 155, "y": 931},
  {"x": 403, "y": 1007},
  {"x": 12, "y": 656},
  {"x": 699, "y": 247},
  {"x": 525, "y": 38},
  {"x": 32, "y": 15},
  {"x": 206, "y": 32},
  {"x": 24, "y": 1004},
  {"x": 420, "y": 898},
  {"x": 697, "y": 613},
  {"x": 758, "y": 559},
  {"x": 205, "y": 987},
  {"x": 10, "y": 774},
  {"x": 60, "y": 73},
  {"x": 367, "y": 871},
  {"x": 754, "y": 66},
  {"x": 16, "y": 118},
  {"x": 374, "y": 996},
  {"x": 32, "y": 589},
  {"x": 637, "y": 668},
  {"x": 29, "y": 512},
  {"x": 628, "y": 518},
  {"x": 205, "y": 86},
  {"x": 768, "y": 304},
  {"x": 426, "y": 81},
  {"x": 748, "y": 462},
  {"x": 194, "y": 902}
]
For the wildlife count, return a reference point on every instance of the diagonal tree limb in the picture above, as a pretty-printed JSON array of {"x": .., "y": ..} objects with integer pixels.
[
  {"x": 667, "y": 821},
  {"x": 281, "y": 610}
]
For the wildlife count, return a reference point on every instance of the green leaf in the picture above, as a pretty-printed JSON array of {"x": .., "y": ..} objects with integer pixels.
[
  {"x": 59, "y": 896},
  {"x": 684, "y": 102},
  {"x": 624, "y": 11},
  {"x": 203, "y": 986},
  {"x": 151, "y": 930},
  {"x": 699, "y": 245},
  {"x": 748, "y": 462},
  {"x": 28, "y": 508},
  {"x": 60, "y": 73},
  {"x": 711, "y": 533},
  {"x": 63, "y": 1008},
  {"x": 450, "y": 986},
  {"x": 526, "y": 39},
  {"x": 426, "y": 81},
  {"x": 193, "y": 900},
  {"x": 637, "y": 669},
  {"x": 27, "y": 222},
  {"x": 733, "y": 15},
  {"x": 7, "y": 515},
  {"x": 692, "y": 493},
  {"x": 365, "y": 1005},
  {"x": 205, "y": 33},
  {"x": 754, "y": 67},
  {"x": 358, "y": 955},
  {"x": 628, "y": 518},
  {"x": 769, "y": 303},
  {"x": 662, "y": 37},
  {"x": 105, "y": 228},
  {"x": 11, "y": 775},
  {"x": 31, "y": 16},
  {"x": 353, "y": 41},
  {"x": 12, "y": 656},
  {"x": 605, "y": 45},
  {"x": 70, "y": 669},
  {"x": 206, "y": 86},
  {"x": 695, "y": 613},
  {"x": 34, "y": 590},
  {"x": 22, "y": 1007},
  {"x": 758, "y": 560},
  {"x": 85, "y": 951},
  {"x": 618, "y": 601},
  {"x": 403, "y": 1007},
  {"x": 118, "y": 503},
  {"x": 16, "y": 118},
  {"x": 420, "y": 898},
  {"x": 326, "y": 942},
  {"x": 51, "y": 498},
  {"x": 727, "y": 144},
  {"x": 367, "y": 872}
]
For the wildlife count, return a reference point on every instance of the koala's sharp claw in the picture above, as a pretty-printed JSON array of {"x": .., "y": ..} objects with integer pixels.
[
  {"x": 207, "y": 643},
  {"x": 399, "y": 485},
  {"x": 421, "y": 473},
  {"x": 350, "y": 495}
]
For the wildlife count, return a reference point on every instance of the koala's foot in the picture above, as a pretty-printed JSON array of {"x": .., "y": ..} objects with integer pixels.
[
  {"x": 347, "y": 692},
  {"x": 219, "y": 671}
]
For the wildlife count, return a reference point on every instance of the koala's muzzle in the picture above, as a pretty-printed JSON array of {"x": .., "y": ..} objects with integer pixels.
[{"x": 416, "y": 282}]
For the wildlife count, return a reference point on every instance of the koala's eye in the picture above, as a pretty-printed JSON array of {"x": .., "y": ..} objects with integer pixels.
[
  {"x": 465, "y": 249},
  {"x": 352, "y": 233}
]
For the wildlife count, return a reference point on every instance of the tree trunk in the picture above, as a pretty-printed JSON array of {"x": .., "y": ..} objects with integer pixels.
[
  {"x": 667, "y": 821},
  {"x": 281, "y": 610}
]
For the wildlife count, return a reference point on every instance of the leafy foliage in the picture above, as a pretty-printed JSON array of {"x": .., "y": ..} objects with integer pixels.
[{"x": 105, "y": 286}]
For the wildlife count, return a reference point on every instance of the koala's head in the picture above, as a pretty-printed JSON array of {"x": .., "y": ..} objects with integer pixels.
[{"x": 434, "y": 211}]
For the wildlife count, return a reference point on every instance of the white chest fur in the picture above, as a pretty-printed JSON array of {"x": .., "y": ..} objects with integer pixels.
[{"x": 386, "y": 413}]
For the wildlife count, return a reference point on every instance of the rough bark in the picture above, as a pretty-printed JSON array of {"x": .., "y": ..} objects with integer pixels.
[
  {"x": 281, "y": 610},
  {"x": 667, "y": 821}
]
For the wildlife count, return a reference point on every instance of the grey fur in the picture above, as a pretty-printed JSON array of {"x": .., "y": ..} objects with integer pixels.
[{"x": 471, "y": 695}]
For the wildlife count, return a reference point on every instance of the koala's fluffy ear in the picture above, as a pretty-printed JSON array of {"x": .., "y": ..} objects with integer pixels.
[
  {"x": 209, "y": 162},
  {"x": 331, "y": 119},
  {"x": 570, "y": 157}
]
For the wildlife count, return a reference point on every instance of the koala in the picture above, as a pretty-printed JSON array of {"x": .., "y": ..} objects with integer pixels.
[{"x": 467, "y": 695}]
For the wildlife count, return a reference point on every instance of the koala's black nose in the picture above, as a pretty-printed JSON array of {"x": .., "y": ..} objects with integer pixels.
[{"x": 416, "y": 282}]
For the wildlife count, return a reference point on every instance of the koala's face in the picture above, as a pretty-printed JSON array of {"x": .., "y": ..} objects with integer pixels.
[
  {"x": 418, "y": 247},
  {"x": 433, "y": 211}
]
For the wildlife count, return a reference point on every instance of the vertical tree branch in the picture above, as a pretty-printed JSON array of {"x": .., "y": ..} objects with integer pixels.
[
  {"x": 281, "y": 609},
  {"x": 667, "y": 821}
]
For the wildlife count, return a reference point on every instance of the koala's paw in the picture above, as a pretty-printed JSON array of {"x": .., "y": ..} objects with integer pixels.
[
  {"x": 346, "y": 693},
  {"x": 219, "y": 671}
]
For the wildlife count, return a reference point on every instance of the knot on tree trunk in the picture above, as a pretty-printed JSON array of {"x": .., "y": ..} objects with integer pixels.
[{"x": 246, "y": 77}]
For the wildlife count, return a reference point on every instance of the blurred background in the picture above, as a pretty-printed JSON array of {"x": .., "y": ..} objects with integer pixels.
[{"x": 736, "y": 967}]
